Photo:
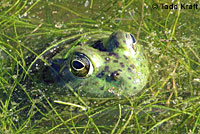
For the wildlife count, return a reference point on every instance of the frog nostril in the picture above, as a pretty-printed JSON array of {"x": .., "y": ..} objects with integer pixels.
[{"x": 115, "y": 75}]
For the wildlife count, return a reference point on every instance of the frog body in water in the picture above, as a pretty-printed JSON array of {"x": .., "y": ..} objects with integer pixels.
[{"x": 114, "y": 66}]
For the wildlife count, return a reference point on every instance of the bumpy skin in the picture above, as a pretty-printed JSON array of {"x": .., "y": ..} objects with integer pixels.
[{"x": 116, "y": 67}]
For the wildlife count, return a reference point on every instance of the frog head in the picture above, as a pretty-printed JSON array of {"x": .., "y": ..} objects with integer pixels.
[{"x": 112, "y": 67}]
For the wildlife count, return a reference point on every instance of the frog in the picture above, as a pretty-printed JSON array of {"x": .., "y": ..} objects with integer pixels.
[{"x": 108, "y": 67}]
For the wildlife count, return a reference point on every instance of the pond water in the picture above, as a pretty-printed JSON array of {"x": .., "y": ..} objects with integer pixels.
[{"x": 170, "y": 39}]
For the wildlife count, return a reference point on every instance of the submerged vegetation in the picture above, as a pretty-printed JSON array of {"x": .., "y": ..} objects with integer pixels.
[{"x": 168, "y": 104}]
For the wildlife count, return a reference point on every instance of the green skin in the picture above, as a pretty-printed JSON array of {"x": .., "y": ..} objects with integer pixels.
[{"x": 117, "y": 67}]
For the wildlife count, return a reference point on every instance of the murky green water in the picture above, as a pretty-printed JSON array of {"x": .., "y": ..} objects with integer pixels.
[{"x": 169, "y": 102}]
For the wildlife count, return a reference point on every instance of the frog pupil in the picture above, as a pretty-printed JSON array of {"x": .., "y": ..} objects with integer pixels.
[{"x": 77, "y": 65}]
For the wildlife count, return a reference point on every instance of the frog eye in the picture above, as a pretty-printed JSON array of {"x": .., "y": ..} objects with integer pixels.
[
  {"x": 134, "y": 42},
  {"x": 130, "y": 39},
  {"x": 80, "y": 65}
]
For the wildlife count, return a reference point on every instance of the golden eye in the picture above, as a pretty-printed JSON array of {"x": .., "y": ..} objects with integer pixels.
[{"x": 80, "y": 65}]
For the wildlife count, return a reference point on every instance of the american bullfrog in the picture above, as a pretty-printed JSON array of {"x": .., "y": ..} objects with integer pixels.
[{"x": 113, "y": 66}]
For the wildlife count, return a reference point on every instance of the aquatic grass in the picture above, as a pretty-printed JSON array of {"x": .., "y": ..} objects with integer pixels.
[{"x": 169, "y": 103}]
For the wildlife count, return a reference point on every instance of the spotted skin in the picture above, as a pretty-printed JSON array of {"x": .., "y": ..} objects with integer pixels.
[{"x": 119, "y": 67}]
